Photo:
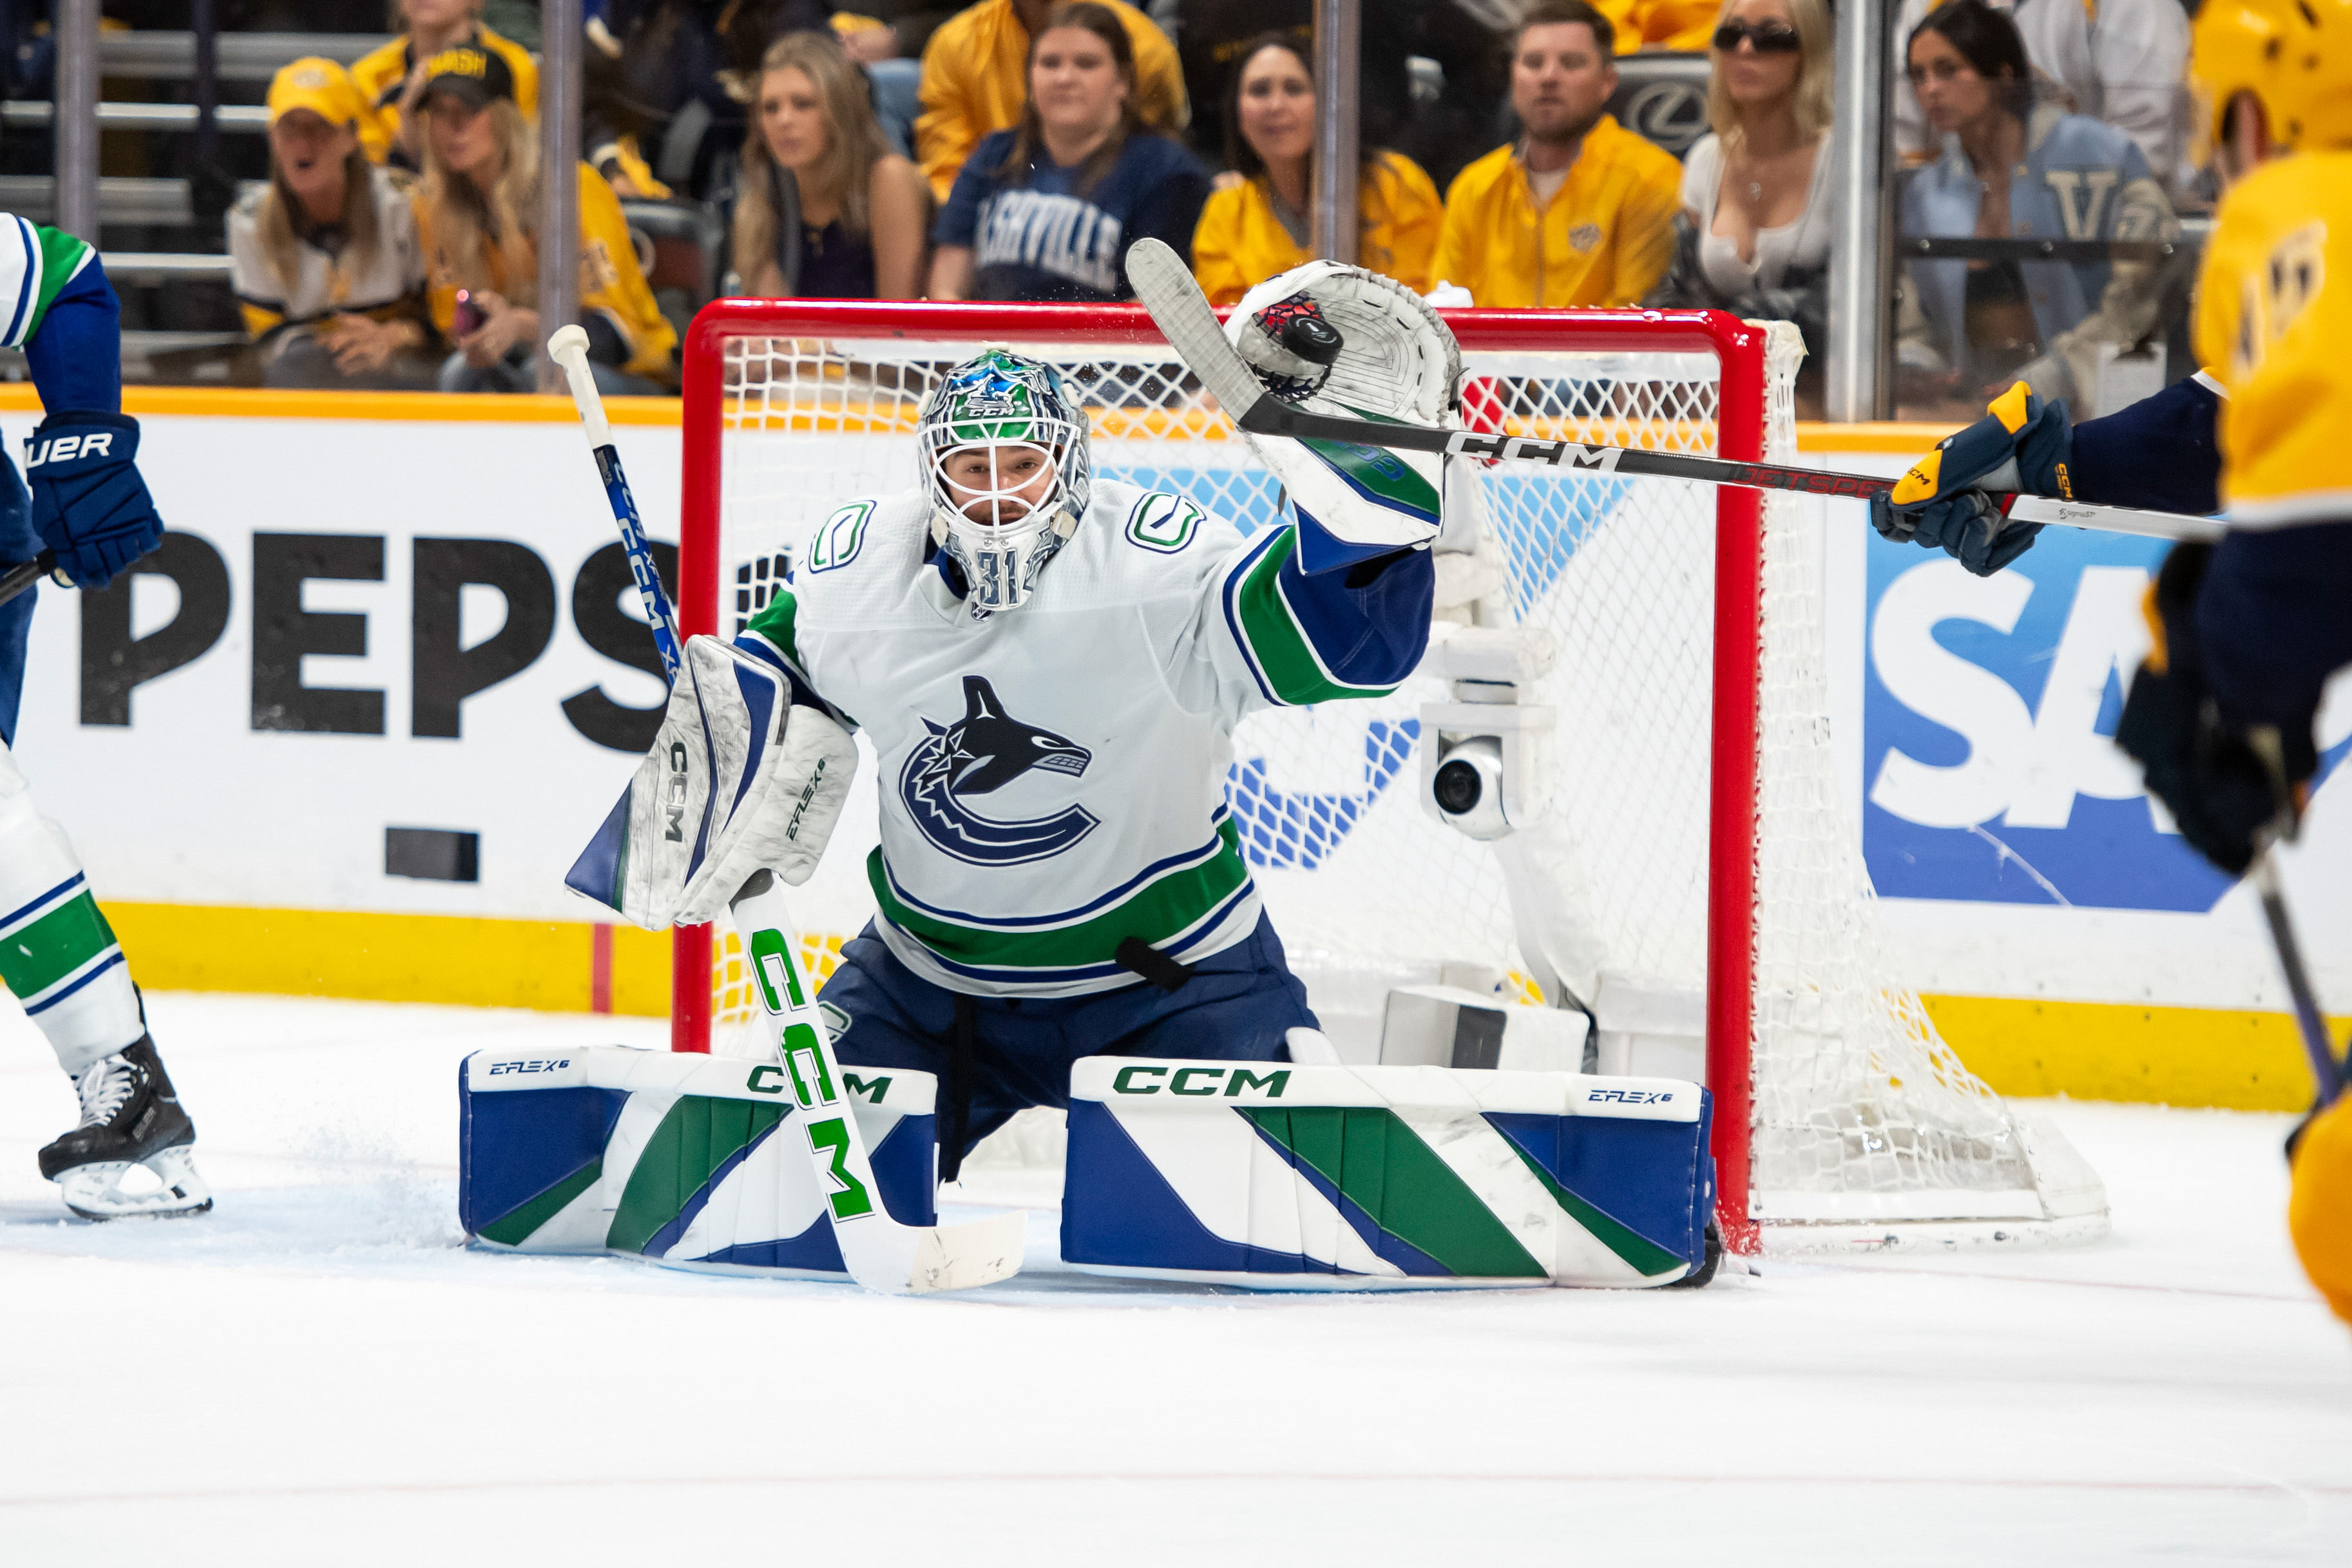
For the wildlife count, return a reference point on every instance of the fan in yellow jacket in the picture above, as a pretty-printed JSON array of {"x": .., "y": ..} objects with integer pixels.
[
  {"x": 480, "y": 158},
  {"x": 382, "y": 75},
  {"x": 1580, "y": 211},
  {"x": 976, "y": 81},
  {"x": 1662, "y": 23},
  {"x": 1603, "y": 238},
  {"x": 612, "y": 286},
  {"x": 1243, "y": 241}
]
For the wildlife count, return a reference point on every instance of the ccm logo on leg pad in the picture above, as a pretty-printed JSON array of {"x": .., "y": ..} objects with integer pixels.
[{"x": 1199, "y": 1081}]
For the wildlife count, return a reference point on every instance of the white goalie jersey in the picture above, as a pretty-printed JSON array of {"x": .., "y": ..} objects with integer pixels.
[{"x": 1052, "y": 781}]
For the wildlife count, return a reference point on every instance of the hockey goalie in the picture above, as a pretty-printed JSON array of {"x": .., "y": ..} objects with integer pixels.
[{"x": 1049, "y": 666}]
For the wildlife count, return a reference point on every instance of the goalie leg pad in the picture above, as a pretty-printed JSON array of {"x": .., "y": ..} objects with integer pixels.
[
  {"x": 739, "y": 780},
  {"x": 1367, "y": 1178},
  {"x": 687, "y": 1160}
]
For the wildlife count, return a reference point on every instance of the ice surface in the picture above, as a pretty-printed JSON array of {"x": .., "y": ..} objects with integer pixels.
[{"x": 317, "y": 1373}]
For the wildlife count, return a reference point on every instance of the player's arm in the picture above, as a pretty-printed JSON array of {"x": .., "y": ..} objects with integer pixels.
[
  {"x": 772, "y": 637},
  {"x": 1337, "y": 604},
  {"x": 89, "y": 504}
]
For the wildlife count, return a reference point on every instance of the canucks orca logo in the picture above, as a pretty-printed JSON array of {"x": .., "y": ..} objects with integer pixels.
[{"x": 984, "y": 751}]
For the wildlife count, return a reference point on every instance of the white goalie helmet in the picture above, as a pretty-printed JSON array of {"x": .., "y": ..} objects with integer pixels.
[{"x": 1005, "y": 457}]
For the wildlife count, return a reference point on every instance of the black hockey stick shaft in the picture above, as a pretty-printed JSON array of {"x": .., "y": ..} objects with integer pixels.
[
  {"x": 1166, "y": 286},
  {"x": 23, "y": 574},
  {"x": 2326, "y": 1071}
]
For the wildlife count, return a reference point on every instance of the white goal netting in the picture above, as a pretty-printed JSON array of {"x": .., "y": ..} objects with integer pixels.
[{"x": 1860, "y": 1112}]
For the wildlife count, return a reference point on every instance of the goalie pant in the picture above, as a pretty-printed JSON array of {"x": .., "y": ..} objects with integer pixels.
[
  {"x": 58, "y": 955},
  {"x": 994, "y": 1055}
]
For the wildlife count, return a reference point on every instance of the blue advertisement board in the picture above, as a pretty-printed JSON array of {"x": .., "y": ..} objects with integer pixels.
[{"x": 1989, "y": 772}]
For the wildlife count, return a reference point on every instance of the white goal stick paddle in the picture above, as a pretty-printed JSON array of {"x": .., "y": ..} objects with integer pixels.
[
  {"x": 880, "y": 1253},
  {"x": 1185, "y": 317}
]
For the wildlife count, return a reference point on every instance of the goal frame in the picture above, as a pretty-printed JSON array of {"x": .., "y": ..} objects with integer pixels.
[{"x": 1736, "y": 663}]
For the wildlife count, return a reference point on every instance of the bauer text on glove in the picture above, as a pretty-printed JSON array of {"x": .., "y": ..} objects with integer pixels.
[{"x": 89, "y": 505}]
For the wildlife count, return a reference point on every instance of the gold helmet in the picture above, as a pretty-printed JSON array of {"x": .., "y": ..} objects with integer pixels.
[{"x": 2294, "y": 55}]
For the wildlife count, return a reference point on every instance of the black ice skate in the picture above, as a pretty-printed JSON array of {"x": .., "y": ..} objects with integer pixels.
[{"x": 130, "y": 1116}]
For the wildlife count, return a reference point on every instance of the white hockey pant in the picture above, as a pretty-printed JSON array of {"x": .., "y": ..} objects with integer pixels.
[{"x": 58, "y": 954}]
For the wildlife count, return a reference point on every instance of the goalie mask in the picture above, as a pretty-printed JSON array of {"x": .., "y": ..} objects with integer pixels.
[{"x": 1005, "y": 457}]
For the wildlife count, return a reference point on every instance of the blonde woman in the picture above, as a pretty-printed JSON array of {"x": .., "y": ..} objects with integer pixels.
[
  {"x": 474, "y": 215},
  {"x": 1754, "y": 233},
  {"x": 391, "y": 78},
  {"x": 826, "y": 211},
  {"x": 323, "y": 259},
  {"x": 1257, "y": 227}
]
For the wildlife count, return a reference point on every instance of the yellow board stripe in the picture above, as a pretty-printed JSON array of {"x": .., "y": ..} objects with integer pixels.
[
  {"x": 467, "y": 409},
  {"x": 2210, "y": 1056},
  {"x": 485, "y": 408},
  {"x": 2204, "y": 1057}
]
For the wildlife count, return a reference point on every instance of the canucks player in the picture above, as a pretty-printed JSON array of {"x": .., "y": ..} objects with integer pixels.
[
  {"x": 87, "y": 505},
  {"x": 1049, "y": 664},
  {"x": 2247, "y": 632}
]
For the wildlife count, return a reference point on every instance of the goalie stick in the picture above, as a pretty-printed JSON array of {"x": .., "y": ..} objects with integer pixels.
[
  {"x": 880, "y": 1253},
  {"x": 25, "y": 574},
  {"x": 1185, "y": 317}
]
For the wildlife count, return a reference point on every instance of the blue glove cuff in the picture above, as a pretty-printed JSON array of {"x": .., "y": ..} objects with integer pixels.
[{"x": 70, "y": 443}]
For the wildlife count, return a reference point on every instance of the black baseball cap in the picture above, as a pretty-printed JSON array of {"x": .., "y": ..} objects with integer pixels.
[{"x": 469, "y": 73}]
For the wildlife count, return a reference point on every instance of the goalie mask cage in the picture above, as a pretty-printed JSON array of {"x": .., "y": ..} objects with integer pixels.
[{"x": 1707, "y": 847}]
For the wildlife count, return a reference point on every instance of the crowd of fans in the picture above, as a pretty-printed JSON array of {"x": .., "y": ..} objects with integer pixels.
[{"x": 1013, "y": 149}]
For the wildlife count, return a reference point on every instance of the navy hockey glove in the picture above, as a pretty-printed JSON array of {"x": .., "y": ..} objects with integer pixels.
[
  {"x": 89, "y": 505},
  {"x": 2021, "y": 444},
  {"x": 2228, "y": 789}
]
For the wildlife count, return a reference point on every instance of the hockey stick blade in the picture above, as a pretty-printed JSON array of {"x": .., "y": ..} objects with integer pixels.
[
  {"x": 1184, "y": 315},
  {"x": 879, "y": 1253}
]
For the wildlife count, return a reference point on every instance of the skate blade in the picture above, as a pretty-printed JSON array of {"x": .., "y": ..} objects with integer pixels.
[{"x": 95, "y": 1191}]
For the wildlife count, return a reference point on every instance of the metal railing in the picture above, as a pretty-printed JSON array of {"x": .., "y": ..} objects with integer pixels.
[
  {"x": 243, "y": 56},
  {"x": 142, "y": 116}
]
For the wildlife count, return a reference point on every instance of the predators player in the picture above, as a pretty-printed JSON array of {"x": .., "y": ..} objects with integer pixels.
[
  {"x": 88, "y": 507},
  {"x": 2248, "y": 631}
]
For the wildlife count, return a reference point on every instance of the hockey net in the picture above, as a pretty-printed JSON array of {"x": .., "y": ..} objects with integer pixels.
[{"x": 1694, "y": 781}]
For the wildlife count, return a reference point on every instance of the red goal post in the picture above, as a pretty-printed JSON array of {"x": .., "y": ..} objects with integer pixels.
[{"x": 1739, "y": 350}]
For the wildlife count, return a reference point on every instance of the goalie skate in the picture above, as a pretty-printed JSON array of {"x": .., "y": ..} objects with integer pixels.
[{"x": 130, "y": 1116}]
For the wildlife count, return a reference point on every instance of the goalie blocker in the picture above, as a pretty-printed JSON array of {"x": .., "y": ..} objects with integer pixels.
[{"x": 1267, "y": 1174}]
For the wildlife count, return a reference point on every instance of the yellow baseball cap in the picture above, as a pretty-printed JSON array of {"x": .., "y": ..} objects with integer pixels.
[{"x": 319, "y": 85}]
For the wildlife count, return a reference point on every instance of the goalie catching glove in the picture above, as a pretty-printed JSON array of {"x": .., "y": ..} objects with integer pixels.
[
  {"x": 1340, "y": 341},
  {"x": 738, "y": 781}
]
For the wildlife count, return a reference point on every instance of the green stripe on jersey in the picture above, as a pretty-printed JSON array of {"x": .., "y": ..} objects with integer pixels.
[
  {"x": 1278, "y": 643},
  {"x": 775, "y": 624},
  {"x": 1158, "y": 912},
  {"x": 36, "y": 264},
  {"x": 41, "y": 952}
]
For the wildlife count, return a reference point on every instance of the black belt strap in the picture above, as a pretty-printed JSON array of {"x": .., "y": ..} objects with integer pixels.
[
  {"x": 1139, "y": 957},
  {"x": 957, "y": 1109}
]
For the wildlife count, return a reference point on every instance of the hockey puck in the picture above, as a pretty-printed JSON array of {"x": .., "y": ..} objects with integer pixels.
[{"x": 1312, "y": 338}]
